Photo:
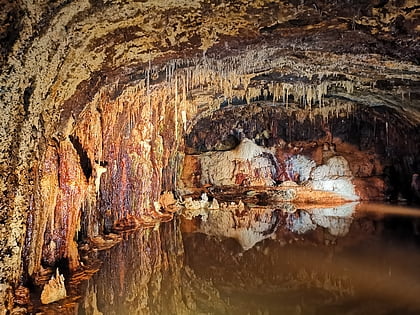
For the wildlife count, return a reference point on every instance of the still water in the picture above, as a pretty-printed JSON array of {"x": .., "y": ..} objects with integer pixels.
[{"x": 347, "y": 260}]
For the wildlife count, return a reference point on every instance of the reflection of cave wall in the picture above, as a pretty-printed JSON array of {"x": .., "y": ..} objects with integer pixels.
[
  {"x": 149, "y": 277},
  {"x": 381, "y": 133},
  {"x": 140, "y": 268}
]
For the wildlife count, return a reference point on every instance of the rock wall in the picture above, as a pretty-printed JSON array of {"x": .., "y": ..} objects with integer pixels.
[
  {"x": 119, "y": 156},
  {"x": 381, "y": 158}
]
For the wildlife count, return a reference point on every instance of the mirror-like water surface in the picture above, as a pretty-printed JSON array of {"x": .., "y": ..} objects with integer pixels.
[{"x": 349, "y": 260}]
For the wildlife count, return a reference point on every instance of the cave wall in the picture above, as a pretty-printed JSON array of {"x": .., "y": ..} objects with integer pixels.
[
  {"x": 120, "y": 154},
  {"x": 64, "y": 62}
]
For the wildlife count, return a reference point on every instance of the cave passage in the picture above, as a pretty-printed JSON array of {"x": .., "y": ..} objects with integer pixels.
[{"x": 273, "y": 212}]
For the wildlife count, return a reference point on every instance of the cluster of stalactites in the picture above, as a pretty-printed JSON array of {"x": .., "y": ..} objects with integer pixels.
[
  {"x": 305, "y": 94},
  {"x": 231, "y": 80}
]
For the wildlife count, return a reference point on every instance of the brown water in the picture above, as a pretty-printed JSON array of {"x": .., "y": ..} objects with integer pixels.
[{"x": 264, "y": 261}]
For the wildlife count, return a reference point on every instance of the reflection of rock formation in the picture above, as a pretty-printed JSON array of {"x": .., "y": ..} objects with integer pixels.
[
  {"x": 247, "y": 227},
  {"x": 164, "y": 272},
  {"x": 250, "y": 224},
  {"x": 337, "y": 220},
  {"x": 300, "y": 222},
  {"x": 307, "y": 277}
]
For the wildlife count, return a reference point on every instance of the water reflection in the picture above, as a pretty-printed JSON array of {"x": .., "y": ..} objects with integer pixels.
[
  {"x": 261, "y": 260},
  {"x": 250, "y": 226},
  {"x": 336, "y": 220},
  {"x": 142, "y": 275},
  {"x": 318, "y": 261}
]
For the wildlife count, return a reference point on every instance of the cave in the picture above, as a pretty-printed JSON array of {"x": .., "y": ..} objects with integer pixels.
[{"x": 172, "y": 157}]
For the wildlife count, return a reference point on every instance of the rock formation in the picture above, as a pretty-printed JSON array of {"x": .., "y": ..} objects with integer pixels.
[{"x": 54, "y": 290}]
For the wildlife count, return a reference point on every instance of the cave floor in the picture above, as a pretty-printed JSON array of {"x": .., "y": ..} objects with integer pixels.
[{"x": 351, "y": 259}]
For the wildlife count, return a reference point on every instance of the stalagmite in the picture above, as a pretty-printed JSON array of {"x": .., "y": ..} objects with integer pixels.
[
  {"x": 214, "y": 205},
  {"x": 54, "y": 290}
]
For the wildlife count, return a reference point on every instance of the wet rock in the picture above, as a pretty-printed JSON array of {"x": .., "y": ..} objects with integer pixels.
[
  {"x": 302, "y": 166},
  {"x": 334, "y": 167},
  {"x": 415, "y": 185},
  {"x": 214, "y": 205},
  {"x": 283, "y": 195},
  {"x": 168, "y": 201},
  {"x": 371, "y": 188}
]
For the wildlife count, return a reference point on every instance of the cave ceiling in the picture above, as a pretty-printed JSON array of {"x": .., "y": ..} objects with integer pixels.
[{"x": 62, "y": 53}]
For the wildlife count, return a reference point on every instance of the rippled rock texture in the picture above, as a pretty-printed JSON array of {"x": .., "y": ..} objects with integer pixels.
[{"x": 100, "y": 100}]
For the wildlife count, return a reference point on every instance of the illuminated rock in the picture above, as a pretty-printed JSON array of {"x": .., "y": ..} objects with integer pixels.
[
  {"x": 248, "y": 165},
  {"x": 301, "y": 165},
  {"x": 54, "y": 290},
  {"x": 334, "y": 176}
]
